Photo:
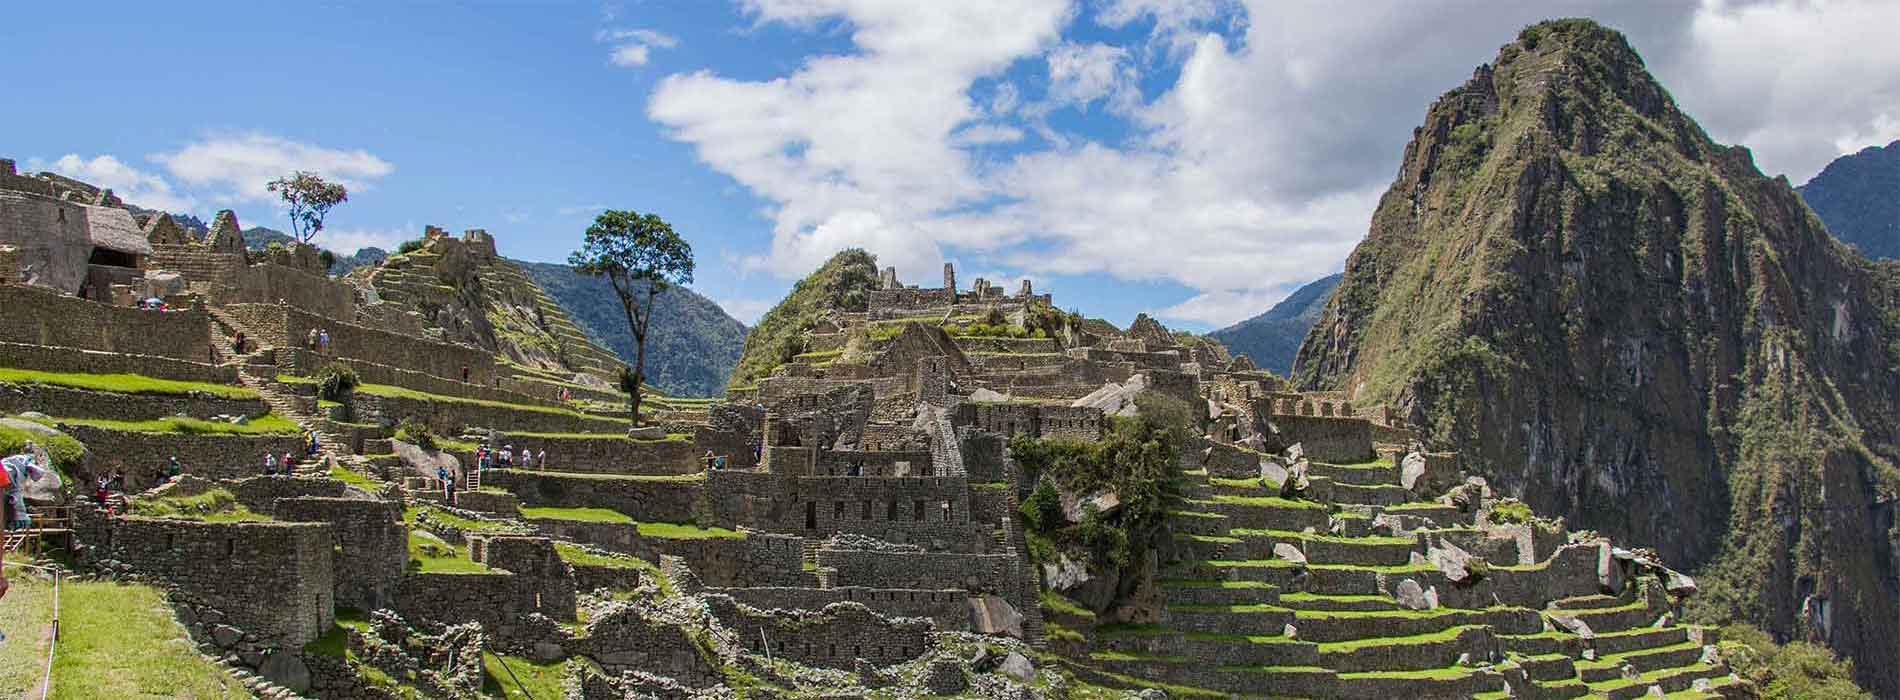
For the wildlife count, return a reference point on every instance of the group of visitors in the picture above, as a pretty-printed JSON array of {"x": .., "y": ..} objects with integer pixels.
[
  {"x": 319, "y": 341},
  {"x": 713, "y": 461},
  {"x": 489, "y": 458},
  {"x": 272, "y": 463},
  {"x": 153, "y": 304}
]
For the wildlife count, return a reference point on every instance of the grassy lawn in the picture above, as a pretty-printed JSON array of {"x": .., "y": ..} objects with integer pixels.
[
  {"x": 575, "y": 554},
  {"x": 354, "y": 478},
  {"x": 123, "y": 383},
  {"x": 24, "y": 617},
  {"x": 409, "y": 516},
  {"x": 520, "y": 679},
  {"x": 680, "y": 531},
  {"x": 586, "y": 515},
  {"x": 120, "y": 641},
  {"x": 429, "y": 554},
  {"x": 268, "y": 424},
  {"x": 213, "y": 506},
  {"x": 681, "y": 478},
  {"x": 396, "y": 392}
]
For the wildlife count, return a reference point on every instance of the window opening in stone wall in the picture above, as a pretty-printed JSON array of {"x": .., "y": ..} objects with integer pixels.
[
  {"x": 891, "y": 515},
  {"x": 230, "y": 546},
  {"x": 949, "y": 512},
  {"x": 811, "y": 515},
  {"x": 837, "y": 511},
  {"x": 867, "y": 511},
  {"x": 917, "y": 511}
]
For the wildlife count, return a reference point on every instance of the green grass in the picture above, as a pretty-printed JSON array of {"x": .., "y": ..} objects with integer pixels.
[
  {"x": 335, "y": 641},
  {"x": 409, "y": 515},
  {"x": 1268, "y": 501},
  {"x": 123, "y": 383},
  {"x": 679, "y": 478},
  {"x": 586, "y": 515},
  {"x": 354, "y": 478},
  {"x": 65, "y": 451},
  {"x": 430, "y": 555},
  {"x": 1444, "y": 635},
  {"x": 516, "y": 678},
  {"x": 268, "y": 424},
  {"x": 213, "y": 506},
  {"x": 1052, "y": 600},
  {"x": 396, "y": 392},
  {"x": 682, "y": 531},
  {"x": 120, "y": 641},
  {"x": 575, "y": 554},
  {"x": 24, "y": 616}
]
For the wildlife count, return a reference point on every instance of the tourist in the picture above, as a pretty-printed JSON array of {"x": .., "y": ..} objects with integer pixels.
[
  {"x": 15, "y": 472},
  {"x": 323, "y": 342},
  {"x": 237, "y": 343},
  {"x": 542, "y": 458},
  {"x": 448, "y": 487},
  {"x": 312, "y": 341},
  {"x": 719, "y": 462},
  {"x": 314, "y": 447},
  {"x": 101, "y": 488},
  {"x": 507, "y": 456},
  {"x": 758, "y": 452},
  {"x": 270, "y": 463},
  {"x": 481, "y": 458},
  {"x": 527, "y": 459},
  {"x": 464, "y": 374},
  {"x": 708, "y": 459},
  {"x": 173, "y": 469},
  {"x": 288, "y": 461}
]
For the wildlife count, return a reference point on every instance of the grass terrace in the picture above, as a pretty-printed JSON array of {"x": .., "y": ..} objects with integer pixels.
[
  {"x": 516, "y": 678},
  {"x": 213, "y": 506},
  {"x": 431, "y": 555},
  {"x": 123, "y": 383},
  {"x": 687, "y": 531},
  {"x": 355, "y": 478},
  {"x": 585, "y": 515},
  {"x": 120, "y": 641},
  {"x": 267, "y": 424}
]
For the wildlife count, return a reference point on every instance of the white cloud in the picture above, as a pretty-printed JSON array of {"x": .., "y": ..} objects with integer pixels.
[
  {"x": 746, "y": 311},
  {"x": 237, "y": 168},
  {"x": 633, "y": 47},
  {"x": 348, "y": 241},
  {"x": 1083, "y": 73},
  {"x": 1254, "y": 170},
  {"x": 132, "y": 185},
  {"x": 628, "y": 55},
  {"x": 587, "y": 209}
]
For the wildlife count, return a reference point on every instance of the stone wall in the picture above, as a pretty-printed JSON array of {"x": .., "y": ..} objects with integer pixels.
[
  {"x": 671, "y": 500},
  {"x": 866, "y": 463},
  {"x": 58, "y": 359},
  {"x": 369, "y": 545},
  {"x": 948, "y": 608},
  {"x": 268, "y": 283},
  {"x": 40, "y": 317},
  {"x": 834, "y": 637},
  {"x": 998, "y": 574},
  {"x": 760, "y": 559},
  {"x": 64, "y": 402},
  {"x": 273, "y": 580},
  {"x": 449, "y": 417},
  {"x": 284, "y": 326},
  {"x": 625, "y": 638},
  {"x": 141, "y": 455},
  {"x": 500, "y": 601},
  {"x": 536, "y": 564},
  {"x": 1033, "y": 420},
  {"x": 929, "y": 511},
  {"x": 1336, "y": 440}
]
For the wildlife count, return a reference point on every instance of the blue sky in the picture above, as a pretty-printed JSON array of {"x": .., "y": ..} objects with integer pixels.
[{"x": 1196, "y": 159}]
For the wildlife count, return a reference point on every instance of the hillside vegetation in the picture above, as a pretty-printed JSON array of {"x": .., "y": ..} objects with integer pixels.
[
  {"x": 1627, "y": 324},
  {"x": 843, "y": 283}
]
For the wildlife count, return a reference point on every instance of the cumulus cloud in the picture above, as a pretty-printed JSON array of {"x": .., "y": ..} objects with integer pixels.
[
  {"x": 349, "y": 240},
  {"x": 746, "y": 311},
  {"x": 1250, "y": 167},
  {"x": 132, "y": 185},
  {"x": 238, "y": 168}
]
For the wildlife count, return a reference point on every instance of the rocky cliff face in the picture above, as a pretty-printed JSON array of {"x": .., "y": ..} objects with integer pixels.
[
  {"x": 1858, "y": 197},
  {"x": 1626, "y": 323}
]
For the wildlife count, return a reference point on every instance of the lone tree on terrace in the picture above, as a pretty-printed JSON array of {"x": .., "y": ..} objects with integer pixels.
[
  {"x": 642, "y": 256},
  {"x": 310, "y": 197}
]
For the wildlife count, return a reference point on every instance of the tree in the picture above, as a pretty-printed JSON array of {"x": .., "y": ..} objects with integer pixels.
[
  {"x": 309, "y": 197},
  {"x": 641, "y": 256}
]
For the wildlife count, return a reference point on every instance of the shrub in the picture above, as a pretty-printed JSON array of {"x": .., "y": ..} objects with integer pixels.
[
  {"x": 1797, "y": 670},
  {"x": 1511, "y": 512},
  {"x": 336, "y": 382},
  {"x": 410, "y": 246},
  {"x": 1042, "y": 511},
  {"x": 416, "y": 433}
]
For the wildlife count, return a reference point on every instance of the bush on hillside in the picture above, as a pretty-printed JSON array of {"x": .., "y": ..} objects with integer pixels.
[
  {"x": 409, "y": 246},
  {"x": 1793, "y": 671},
  {"x": 1135, "y": 461},
  {"x": 416, "y": 433},
  {"x": 843, "y": 283},
  {"x": 336, "y": 382}
]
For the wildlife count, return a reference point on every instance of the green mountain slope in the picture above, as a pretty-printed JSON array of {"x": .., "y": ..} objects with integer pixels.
[
  {"x": 1626, "y": 323},
  {"x": 842, "y": 284},
  {"x": 1858, "y": 197},
  {"x": 1272, "y": 338},
  {"x": 694, "y": 343}
]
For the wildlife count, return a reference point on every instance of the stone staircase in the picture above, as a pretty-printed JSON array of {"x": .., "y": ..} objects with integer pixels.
[
  {"x": 258, "y": 371},
  {"x": 1242, "y": 621}
]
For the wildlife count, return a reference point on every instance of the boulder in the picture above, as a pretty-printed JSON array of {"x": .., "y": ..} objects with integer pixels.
[
  {"x": 1410, "y": 469},
  {"x": 1678, "y": 584},
  {"x": 647, "y": 432},
  {"x": 1574, "y": 626},
  {"x": 423, "y": 462},
  {"x": 163, "y": 283},
  {"x": 1283, "y": 550},
  {"x": 1115, "y": 399},
  {"x": 1075, "y": 507},
  {"x": 1152, "y": 694},
  {"x": 1295, "y": 452},
  {"x": 1290, "y": 632},
  {"x": 1412, "y": 596},
  {"x": 988, "y": 396},
  {"x": 1456, "y": 564},
  {"x": 1064, "y": 573},
  {"x": 1609, "y": 571},
  {"x": 992, "y": 615},
  {"x": 1017, "y": 666},
  {"x": 944, "y": 677},
  {"x": 1272, "y": 474},
  {"x": 1296, "y": 482},
  {"x": 226, "y": 636},
  {"x": 287, "y": 670}
]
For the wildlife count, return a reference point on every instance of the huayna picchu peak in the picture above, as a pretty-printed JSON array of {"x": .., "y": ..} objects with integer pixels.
[
  {"x": 1594, "y": 410},
  {"x": 1622, "y": 322}
]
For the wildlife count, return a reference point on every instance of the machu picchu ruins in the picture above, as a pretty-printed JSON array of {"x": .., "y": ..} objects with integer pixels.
[{"x": 1595, "y": 409}]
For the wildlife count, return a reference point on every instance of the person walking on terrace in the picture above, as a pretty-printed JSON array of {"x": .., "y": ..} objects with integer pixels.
[
  {"x": 173, "y": 469},
  {"x": 542, "y": 459},
  {"x": 527, "y": 459},
  {"x": 270, "y": 463},
  {"x": 312, "y": 341},
  {"x": 237, "y": 343},
  {"x": 464, "y": 374},
  {"x": 323, "y": 342}
]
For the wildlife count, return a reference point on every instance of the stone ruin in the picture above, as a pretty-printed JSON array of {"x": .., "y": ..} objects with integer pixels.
[{"x": 862, "y": 528}]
